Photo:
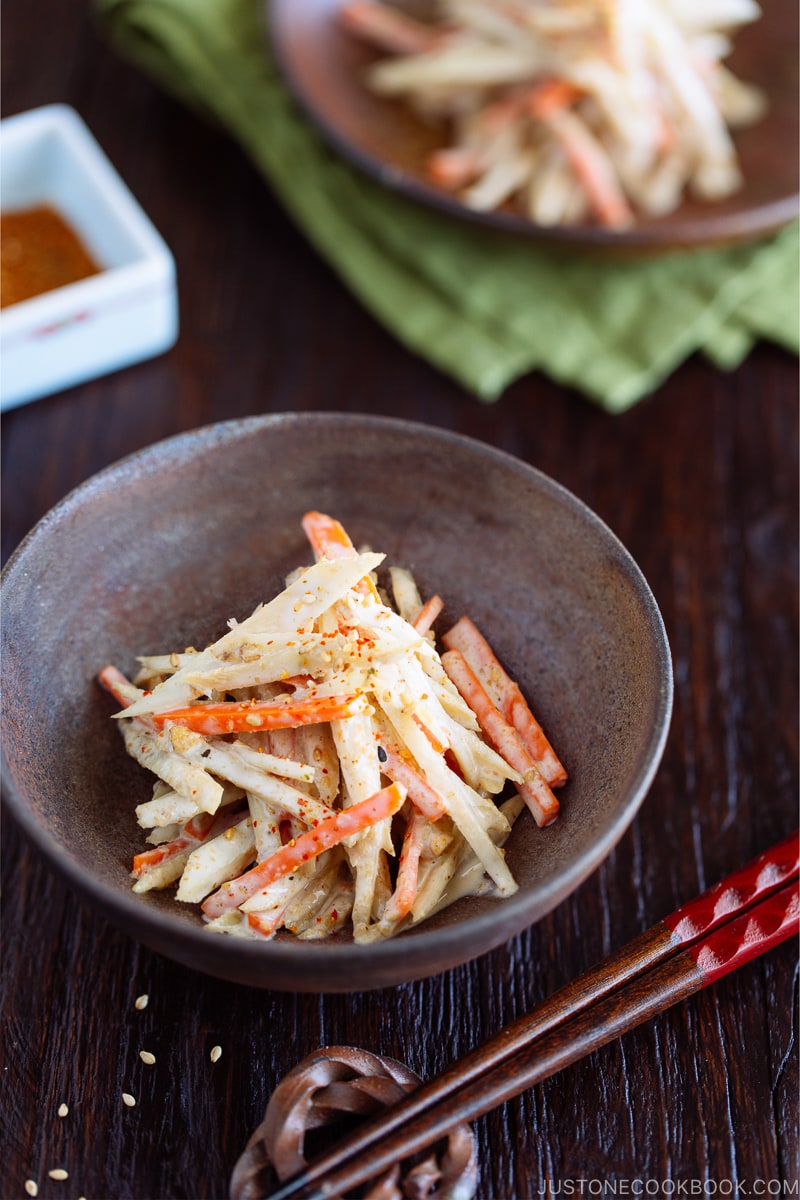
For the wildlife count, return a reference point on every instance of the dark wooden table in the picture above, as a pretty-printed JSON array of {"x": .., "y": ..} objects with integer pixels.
[{"x": 700, "y": 482}]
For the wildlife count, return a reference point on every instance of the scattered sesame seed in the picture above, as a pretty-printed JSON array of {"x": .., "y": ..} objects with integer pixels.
[
  {"x": 58, "y": 1173},
  {"x": 216, "y": 1053},
  {"x": 141, "y": 1002},
  {"x": 31, "y": 1187},
  {"x": 62, "y": 1110},
  {"x": 128, "y": 1099},
  {"x": 147, "y": 1057}
]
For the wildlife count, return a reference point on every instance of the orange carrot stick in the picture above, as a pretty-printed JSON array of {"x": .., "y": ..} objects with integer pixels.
[
  {"x": 552, "y": 96},
  {"x": 159, "y": 854},
  {"x": 299, "y": 850},
  {"x": 428, "y": 614},
  {"x": 265, "y": 923},
  {"x": 405, "y": 891},
  {"x": 196, "y": 830},
  {"x": 120, "y": 688},
  {"x": 505, "y": 695},
  {"x": 592, "y": 168},
  {"x": 330, "y": 539},
  {"x": 429, "y": 734},
  {"x": 250, "y": 716},
  {"x": 454, "y": 167},
  {"x": 535, "y": 790},
  {"x": 420, "y": 792}
]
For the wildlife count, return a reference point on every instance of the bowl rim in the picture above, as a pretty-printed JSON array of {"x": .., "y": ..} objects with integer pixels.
[{"x": 291, "y": 953}]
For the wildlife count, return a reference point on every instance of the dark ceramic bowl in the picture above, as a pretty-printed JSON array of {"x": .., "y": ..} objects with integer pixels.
[{"x": 160, "y": 549}]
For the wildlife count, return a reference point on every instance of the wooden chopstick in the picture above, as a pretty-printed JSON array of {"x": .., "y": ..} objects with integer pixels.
[{"x": 743, "y": 916}]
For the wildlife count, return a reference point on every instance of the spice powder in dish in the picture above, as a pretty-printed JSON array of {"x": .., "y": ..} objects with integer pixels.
[{"x": 39, "y": 252}]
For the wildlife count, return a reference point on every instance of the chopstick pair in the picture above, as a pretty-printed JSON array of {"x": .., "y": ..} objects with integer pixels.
[{"x": 746, "y": 914}]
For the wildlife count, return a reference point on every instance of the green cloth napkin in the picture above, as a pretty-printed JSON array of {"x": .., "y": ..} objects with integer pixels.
[{"x": 483, "y": 309}]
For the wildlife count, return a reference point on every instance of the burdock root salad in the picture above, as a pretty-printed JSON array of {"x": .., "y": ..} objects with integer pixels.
[{"x": 323, "y": 764}]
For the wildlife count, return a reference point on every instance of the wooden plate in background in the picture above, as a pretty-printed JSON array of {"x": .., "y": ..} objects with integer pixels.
[{"x": 324, "y": 68}]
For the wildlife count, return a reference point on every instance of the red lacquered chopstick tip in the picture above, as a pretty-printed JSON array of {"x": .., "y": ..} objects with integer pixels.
[
  {"x": 740, "y": 890},
  {"x": 772, "y": 921}
]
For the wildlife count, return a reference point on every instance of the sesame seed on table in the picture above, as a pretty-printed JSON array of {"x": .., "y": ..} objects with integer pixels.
[{"x": 129, "y": 1076}]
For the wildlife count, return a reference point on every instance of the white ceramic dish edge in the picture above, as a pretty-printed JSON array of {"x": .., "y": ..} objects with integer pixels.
[{"x": 123, "y": 315}]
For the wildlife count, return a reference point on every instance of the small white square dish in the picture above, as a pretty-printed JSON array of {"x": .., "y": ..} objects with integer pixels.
[{"x": 126, "y": 312}]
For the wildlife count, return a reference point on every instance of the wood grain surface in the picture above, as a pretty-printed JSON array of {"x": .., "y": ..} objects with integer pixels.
[{"x": 699, "y": 481}]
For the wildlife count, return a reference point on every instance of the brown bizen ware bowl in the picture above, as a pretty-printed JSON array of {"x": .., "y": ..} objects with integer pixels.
[{"x": 158, "y": 551}]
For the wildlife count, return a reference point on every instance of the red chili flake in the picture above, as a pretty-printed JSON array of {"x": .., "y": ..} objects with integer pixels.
[
  {"x": 334, "y": 914},
  {"x": 147, "y": 693}
]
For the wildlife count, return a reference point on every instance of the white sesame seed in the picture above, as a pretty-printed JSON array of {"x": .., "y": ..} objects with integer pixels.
[
  {"x": 62, "y": 1110},
  {"x": 58, "y": 1173},
  {"x": 147, "y": 1057},
  {"x": 31, "y": 1187},
  {"x": 128, "y": 1099},
  {"x": 216, "y": 1053},
  {"x": 141, "y": 1002}
]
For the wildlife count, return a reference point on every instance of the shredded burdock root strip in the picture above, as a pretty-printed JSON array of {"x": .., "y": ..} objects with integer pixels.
[
  {"x": 571, "y": 110},
  {"x": 321, "y": 764}
]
